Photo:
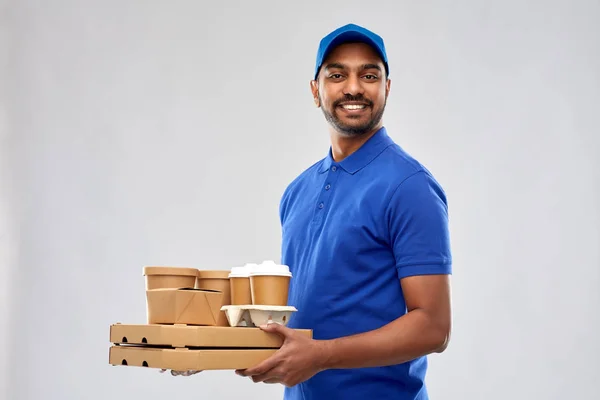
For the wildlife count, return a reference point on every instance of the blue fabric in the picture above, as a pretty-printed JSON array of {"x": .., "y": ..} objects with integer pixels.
[
  {"x": 350, "y": 33},
  {"x": 350, "y": 231}
]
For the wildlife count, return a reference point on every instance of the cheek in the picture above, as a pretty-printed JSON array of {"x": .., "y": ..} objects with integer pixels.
[
  {"x": 379, "y": 97},
  {"x": 328, "y": 97},
  {"x": 327, "y": 101}
]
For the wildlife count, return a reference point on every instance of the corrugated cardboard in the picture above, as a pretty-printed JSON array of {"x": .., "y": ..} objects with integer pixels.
[
  {"x": 184, "y": 306},
  {"x": 197, "y": 336},
  {"x": 184, "y": 359}
]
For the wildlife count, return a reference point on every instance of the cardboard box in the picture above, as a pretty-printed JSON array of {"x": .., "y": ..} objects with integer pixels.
[
  {"x": 197, "y": 336},
  {"x": 184, "y": 359},
  {"x": 185, "y": 306}
]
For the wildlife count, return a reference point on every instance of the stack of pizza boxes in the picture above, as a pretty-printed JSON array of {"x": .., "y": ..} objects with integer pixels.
[{"x": 206, "y": 319}]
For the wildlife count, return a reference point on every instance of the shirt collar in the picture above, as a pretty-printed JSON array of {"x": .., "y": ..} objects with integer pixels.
[{"x": 361, "y": 157}]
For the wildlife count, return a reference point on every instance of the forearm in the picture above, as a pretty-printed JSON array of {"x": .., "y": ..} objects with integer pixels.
[{"x": 411, "y": 336}]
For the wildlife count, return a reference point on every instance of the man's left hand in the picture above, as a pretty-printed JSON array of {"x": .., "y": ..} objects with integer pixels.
[{"x": 298, "y": 359}]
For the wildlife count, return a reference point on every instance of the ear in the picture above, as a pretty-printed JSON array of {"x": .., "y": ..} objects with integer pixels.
[
  {"x": 388, "y": 85},
  {"x": 314, "y": 88}
]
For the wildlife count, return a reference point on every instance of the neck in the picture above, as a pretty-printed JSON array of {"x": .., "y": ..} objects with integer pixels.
[{"x": 343, "y": 146}]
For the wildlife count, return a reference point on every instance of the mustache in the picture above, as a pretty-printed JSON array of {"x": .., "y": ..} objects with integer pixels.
[{"x": 349, "y": 97}]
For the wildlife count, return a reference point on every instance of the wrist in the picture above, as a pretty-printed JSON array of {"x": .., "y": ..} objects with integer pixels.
[{"x": 326, "y": 354}]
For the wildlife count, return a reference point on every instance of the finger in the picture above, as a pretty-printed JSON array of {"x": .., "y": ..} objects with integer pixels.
[
  {"x": 190, "y": 373},
  {"x": 263, "y": 367},
  {"x": 278, "y": 328},
  {"x": 273, "y": 380},
  {"x": 271, "y": 376},
  {"x": 184, "y": 373}
]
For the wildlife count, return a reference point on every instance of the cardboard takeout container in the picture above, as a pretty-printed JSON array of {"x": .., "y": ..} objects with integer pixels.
[
  {"x": 185, "y": 306},
  {"x": 170, "y": 277}
]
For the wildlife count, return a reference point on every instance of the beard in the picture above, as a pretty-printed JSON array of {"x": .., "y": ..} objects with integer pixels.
[{"x": 352, "y": 129}]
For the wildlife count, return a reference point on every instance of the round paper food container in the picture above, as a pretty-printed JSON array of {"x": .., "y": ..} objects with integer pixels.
[
  {"x": 212, "y": 274},
  {"x": 170, "y": 277},
  {"x": 214, "y": 280}
]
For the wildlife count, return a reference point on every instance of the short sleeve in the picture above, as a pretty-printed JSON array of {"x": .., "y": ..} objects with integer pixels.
[
  {"x": 418, "y": 226},
  {"x": 282, "y": 206}
]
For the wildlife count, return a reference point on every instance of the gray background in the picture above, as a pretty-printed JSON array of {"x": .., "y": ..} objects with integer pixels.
[{"x": 157, "y": 132}]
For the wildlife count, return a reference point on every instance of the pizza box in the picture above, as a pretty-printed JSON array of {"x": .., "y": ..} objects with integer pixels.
[
  {"x": 197, "y": 336},
  {"x": 186, "y": 359}
]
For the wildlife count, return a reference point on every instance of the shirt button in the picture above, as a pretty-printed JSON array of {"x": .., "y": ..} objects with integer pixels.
[
  {"x": 321, "y": 205},
  {"x": 334, "y": 168},
  {"x": 327, "y": 187}
]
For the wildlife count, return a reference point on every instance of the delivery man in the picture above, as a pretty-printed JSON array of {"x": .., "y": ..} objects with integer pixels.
[{"x": 365, "y": 234}]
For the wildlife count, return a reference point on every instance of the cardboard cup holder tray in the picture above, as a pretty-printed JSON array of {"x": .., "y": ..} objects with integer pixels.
[{"x": 256, "y": 315}]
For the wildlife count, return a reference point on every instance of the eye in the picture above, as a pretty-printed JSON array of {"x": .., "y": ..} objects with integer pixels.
[
  {"x": 336, "y": 76},
  {"x": 371, "y": 77}
]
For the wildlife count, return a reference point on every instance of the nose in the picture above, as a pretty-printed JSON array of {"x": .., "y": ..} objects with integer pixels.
[{"x": 353, "y": 86}]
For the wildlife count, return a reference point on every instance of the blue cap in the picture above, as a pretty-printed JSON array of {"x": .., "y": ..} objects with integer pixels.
[{"x": 350, "y": 33}]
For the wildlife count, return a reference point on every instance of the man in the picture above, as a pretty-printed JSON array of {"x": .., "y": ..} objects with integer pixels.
[{"x": 365, "y": 234}]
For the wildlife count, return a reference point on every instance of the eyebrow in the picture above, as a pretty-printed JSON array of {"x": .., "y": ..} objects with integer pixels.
[
  {"x": 342, "y": 66},
  {"x": 372, "y": 66},
  {"x": 335, "y": 66}
]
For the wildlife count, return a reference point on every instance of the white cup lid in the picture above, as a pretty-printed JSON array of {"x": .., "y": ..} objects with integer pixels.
[
  {"x": 241, "y": 272},
  {"x": 271, "y": 268}
]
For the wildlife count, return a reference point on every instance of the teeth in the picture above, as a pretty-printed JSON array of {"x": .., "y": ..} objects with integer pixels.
[{"x": 353, "y": 106}]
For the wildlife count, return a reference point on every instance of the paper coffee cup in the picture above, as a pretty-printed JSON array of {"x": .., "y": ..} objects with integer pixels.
[
  {"x": 239, "y": 281},
  {"x": 270, "y": 283}
]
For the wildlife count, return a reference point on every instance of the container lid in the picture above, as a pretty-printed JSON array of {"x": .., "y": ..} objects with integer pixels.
[
  {"x": 270, "y": 268},
  {"x": 213, "y": 274},
  {"x": 242, "y": 272},
  {"x": 170, "y": 271}
]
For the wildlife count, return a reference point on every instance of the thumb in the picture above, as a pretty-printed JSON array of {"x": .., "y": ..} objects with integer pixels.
[{"x": 274, "y": 327}]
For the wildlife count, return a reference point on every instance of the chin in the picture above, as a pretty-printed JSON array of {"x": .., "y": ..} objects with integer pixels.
[{"x": 351, "y": 131}]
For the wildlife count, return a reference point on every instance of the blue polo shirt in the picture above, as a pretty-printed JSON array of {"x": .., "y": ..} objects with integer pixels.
[{"x": 350, "y": 231}]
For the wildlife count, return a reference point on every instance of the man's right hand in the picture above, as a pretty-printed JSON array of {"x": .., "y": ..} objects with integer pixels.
[{"x": 180, "y": 373}]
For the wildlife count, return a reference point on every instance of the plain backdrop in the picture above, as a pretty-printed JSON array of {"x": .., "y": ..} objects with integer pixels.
[{"x": 140, "y": 133}]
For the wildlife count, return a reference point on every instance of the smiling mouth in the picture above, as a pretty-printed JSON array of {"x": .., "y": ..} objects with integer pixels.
[{"x": 353, "y": 107}]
